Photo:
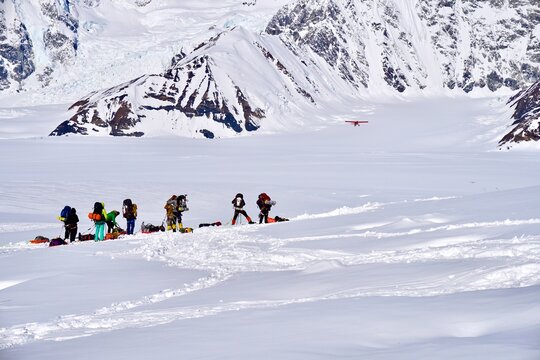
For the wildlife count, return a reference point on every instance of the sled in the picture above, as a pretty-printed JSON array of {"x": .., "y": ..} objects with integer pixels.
[
  {"x": 276, "y": 219},
  {"x": 39, "y": 240},
  {"x": 114, "y": 235},
  {"x": 149, "y": 228},
  {"x": 86, "y": 237},
  {"x": 217, "y": 223}
]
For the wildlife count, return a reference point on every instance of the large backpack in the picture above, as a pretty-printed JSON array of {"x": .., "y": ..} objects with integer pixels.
[
  {"x": 181, "y": 203},
  {"x": 98, "y": 208},
  {"x": 127, "y": 209},
  {"x": 169, "y": 210},
  {"x": 130, "y": 211},
  {"x": 264, "y": 197},
  {"x": 133, "y": 210},
  {"x": 65, "y": 212},
  {"x": 97, "y": 215}
]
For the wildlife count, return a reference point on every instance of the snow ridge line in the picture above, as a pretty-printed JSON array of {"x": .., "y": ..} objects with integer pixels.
[
  {"x": 22, "y": 334},
  {"x": 380, "y": 235},
  {"x": 370, "y": 206},
  {"x": 200, "y": 284},
  {"x": 486, "y": 224},
  {"x": 67, "y": 328},
  {"x": 526, "y": 250},
  {"x": 345, "y": 210}
]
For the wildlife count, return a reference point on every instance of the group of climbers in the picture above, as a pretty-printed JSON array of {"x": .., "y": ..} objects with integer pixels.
[
  {"x": 263, "y": 202},
  {"x": 175, "y": 206},
  {"x": 100, "y": 217}
]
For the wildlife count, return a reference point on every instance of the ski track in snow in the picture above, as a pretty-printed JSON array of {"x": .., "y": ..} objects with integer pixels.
[{"x": 227, "y": 251}]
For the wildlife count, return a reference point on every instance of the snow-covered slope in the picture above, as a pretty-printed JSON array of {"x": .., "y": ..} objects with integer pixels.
[
  {"x": 407, "y": 241},
  {"x": 114, "y": 41},
  {"x": 199, "y": 95},
  {"x": 526, "y": 116},
  {"x": 419, "y": 44},
  {"x": 343, "y": 49}
]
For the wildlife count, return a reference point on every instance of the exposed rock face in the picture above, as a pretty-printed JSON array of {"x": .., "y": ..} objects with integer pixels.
[
  {"x": 16, "y": 51},
  {"x": 317, "y": 50},
  {"x": 452, "y": 43},
  {"x": 526, "y": 116},
  {"x": 57, "y": 39},
  {"x": 186, "y": 97}
]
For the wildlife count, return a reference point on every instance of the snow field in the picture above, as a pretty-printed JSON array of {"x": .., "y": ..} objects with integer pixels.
[{"x": 395, "y": 249}]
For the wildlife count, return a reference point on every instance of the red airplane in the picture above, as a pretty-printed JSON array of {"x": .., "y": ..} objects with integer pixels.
[{"x": 356, "y": 122}]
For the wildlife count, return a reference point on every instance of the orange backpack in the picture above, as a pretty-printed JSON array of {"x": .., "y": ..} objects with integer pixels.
[{"x": 95, "y": 217}]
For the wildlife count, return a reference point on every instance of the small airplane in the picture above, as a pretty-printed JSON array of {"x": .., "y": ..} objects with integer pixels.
[{"x": 356, "y": 122}]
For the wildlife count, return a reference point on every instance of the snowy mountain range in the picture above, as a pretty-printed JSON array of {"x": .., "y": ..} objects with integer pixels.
[{"x": 281, "y": 61}]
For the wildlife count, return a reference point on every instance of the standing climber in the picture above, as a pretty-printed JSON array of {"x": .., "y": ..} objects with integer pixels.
[
  {"x": 70, "y": 223},
  {"x": 129, "y": 212},
  {"x": 238, "y": 204},
  {"x": 99, "y": 216},
  {"x": 265, "y": 204},
  {"x": 170, "y": 213}
]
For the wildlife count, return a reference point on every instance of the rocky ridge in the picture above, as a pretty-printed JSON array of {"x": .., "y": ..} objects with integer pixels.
[
  {"x": 317, "y": 50},
  {"x": 426, "y": 43},
  {"x": 526, "y": 116},
  {"x": 194, "y": 96}
]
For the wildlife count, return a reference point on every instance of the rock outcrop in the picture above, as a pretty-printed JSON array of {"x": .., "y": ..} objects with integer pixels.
[{"x": 526, "y": 125}]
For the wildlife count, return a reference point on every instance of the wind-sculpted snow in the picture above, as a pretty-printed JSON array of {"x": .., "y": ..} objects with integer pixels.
[
  {"x": 341, "y": 211},
  {"x": 231, "y": 253}
]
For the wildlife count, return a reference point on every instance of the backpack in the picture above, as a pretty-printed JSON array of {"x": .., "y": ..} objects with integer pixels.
[
  {"x": 57, "y": 242},
  {"x": 65, "y": 212},
  {"x": 130, "y": 211},
  {"x": 95, "y": 217},
  {"x": 181, "y": 202},
  {"x": 98, "y": 208},
  {"x": 133, "y": 210},
  {"x": 149, "y": 228},
  {"x": 169, "y": 210},
  {"x": 238, "y": 202},
  {"x": 86, "y": 237},
  {"x": 264, "y": 197}
]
